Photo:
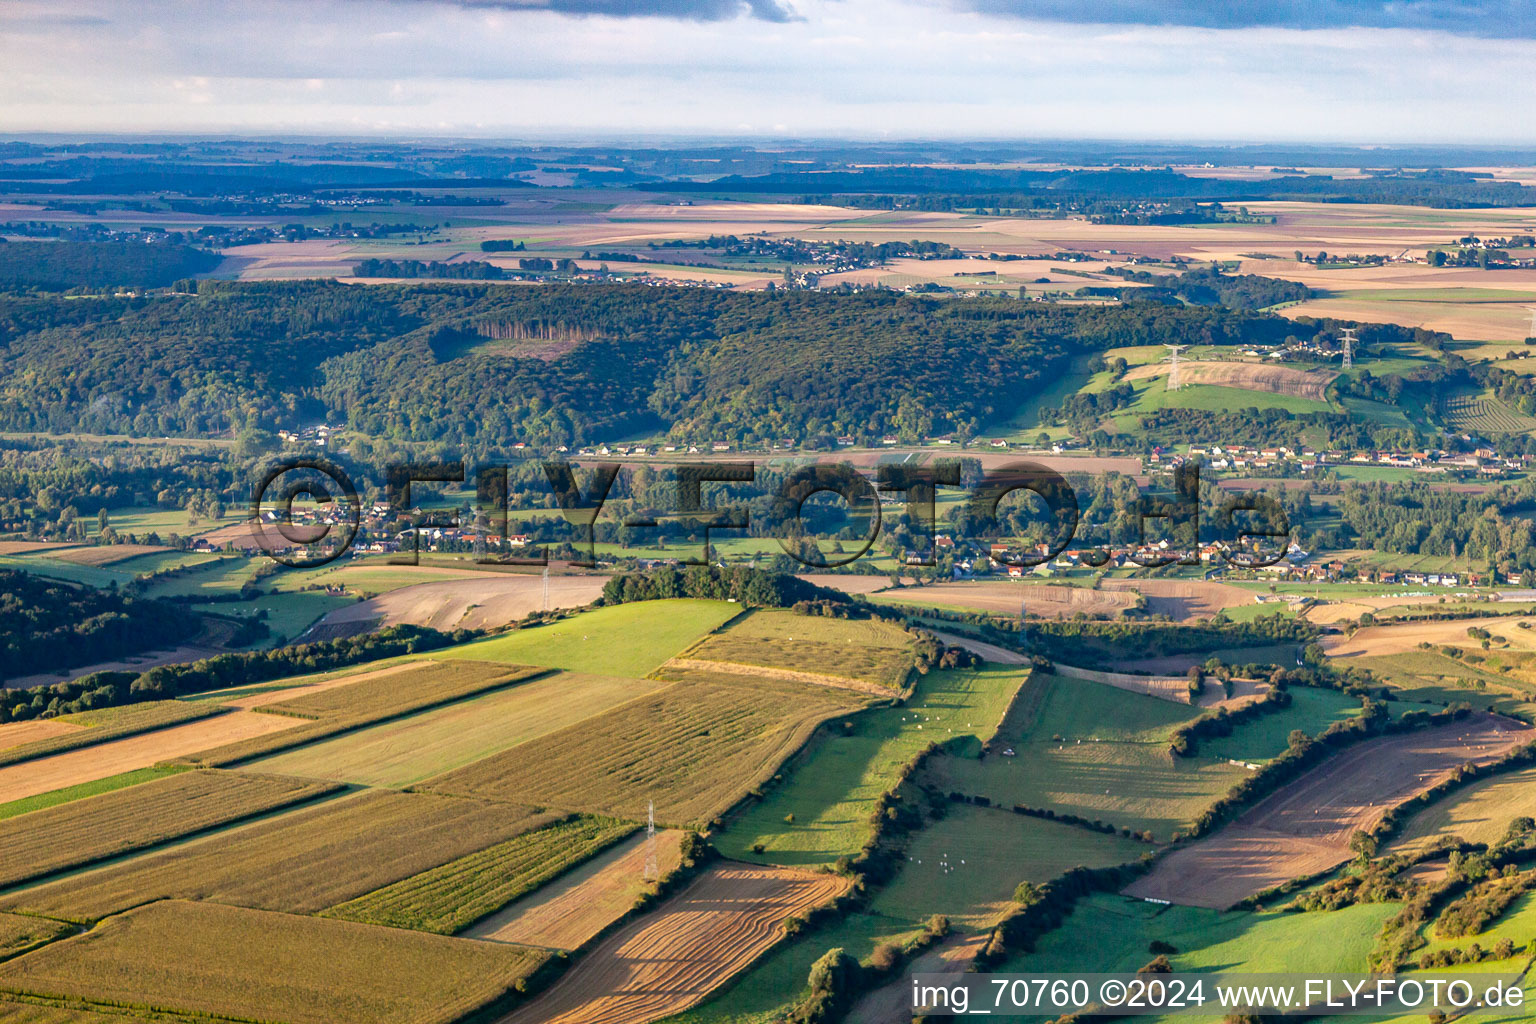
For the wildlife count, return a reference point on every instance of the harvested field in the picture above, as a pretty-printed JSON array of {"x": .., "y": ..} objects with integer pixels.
[
  {"x": 1405, "y": 637},
  {"x": 88, "y": 728},
  {"x": 482, "y": 602},
  {"x": 18, "y": 933},
  {"x": 453, "y": 896},
  {"x": 16, "y": 734},
  {"x": 695, "y": 748},
  {"x": 1174, "y": 689},
  {"x": 107, "y": 554},
  {"x": 1351, "y": 608},
  {"x": 335, "y": 710},
  {"x": 112, "y": 783},
  {"x": 276, "y": 693},
  {"x": 299, "y": 863},
  {"x": 1184, "y": 600},
  {"x": 811, "y": 649},
  {"x": 1275, "y": 380},
  {"x": 1480, "y": 813},
  {"x": 404, "y": 751},
  {"x": 568, "y": 912},
  {"x": 85, "y": 831},
  {"x": 27, "y": 547},
  {"x": 672, "y": 958},
  {"x": 1048, "y": 602},
  {"x": 1305, "y": 827},
  {"x": 114, "y": 757},
  {"x": 848, "y": 583},
  {"x": 229, "y": 962}
]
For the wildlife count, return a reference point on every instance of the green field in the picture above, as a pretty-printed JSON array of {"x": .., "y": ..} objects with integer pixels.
[
  {"x": 300, "y": 862},
  {"x": 622, "y": 640},
  {"x": 1518, "y": 924},
  {"x": 831, "y": 790},
  {"x": 1097, "y": 752},
  {"x": 49, "y": 841},
  {"x": 1432, "y": 677},
  {"x": 1311, "y": 710},
  {"x": 694, "y": 748},
  {"x": 1111, "y": 933},
  {"x": 405, "y": 751},
  {"x": 233, "y": 963},
  {"x": 967, "y": 864},
  {"x": 1153, "y": 394},
  {"x": 450, "y": 898}
]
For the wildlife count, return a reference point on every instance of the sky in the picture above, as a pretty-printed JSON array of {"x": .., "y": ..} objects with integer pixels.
[{"x": 1363, "y": 71}]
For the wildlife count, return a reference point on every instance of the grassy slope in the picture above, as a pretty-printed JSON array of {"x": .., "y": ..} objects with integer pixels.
[
  {"x": 832, "y": 790},
  {"x": 623, "y": 640}
]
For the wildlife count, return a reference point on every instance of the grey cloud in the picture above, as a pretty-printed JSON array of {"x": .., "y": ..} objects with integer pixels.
[{"x": 1496, "y": 19}]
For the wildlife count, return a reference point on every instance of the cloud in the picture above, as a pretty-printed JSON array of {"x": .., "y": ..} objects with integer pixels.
[
  {"x": 1495, "y": 19},
  {"x": 688, "y": 10}
]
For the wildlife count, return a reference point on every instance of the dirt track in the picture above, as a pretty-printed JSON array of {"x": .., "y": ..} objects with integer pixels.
[
  {"x": 1305, "y": 827},
  {"x": 492, "y": 600},
  {"x": 1276, "y": 380},
  {"x": 672, "y": 958}
]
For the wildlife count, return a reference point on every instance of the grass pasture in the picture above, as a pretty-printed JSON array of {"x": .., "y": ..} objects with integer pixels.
[
  {"x": 300, "y": 862},
  {"x": 229, "y": 962},
  {"x": 109, "y": 724},
  {"x": 385, "y": 696},
  {"x": 820, "y": 811},
  {"x": 1434, "y": 678},
  {"x": 85, "y": 831},
  {"x": 1311, "y": 711},
  {"x": 967, "y": 864},
  {"x": 1479, "y": 813},
  {"x": 1111, "y": 933},
  {"x": 695, "y": 748},
  {"x": 405, "y": 751},
  {"x": 620, "y": 640},
  {"x": 1094, "y": 751},
  {"x": 451, "y": 897}
]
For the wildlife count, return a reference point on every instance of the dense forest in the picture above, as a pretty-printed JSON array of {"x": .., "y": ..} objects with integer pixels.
[
  {"x": 60, "y": 266},
  {"x": 418, "y": 363},
  {"x": 46, "y": 625}
]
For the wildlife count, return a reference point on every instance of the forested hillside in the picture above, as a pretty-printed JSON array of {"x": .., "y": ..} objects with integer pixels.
[
  {"x": 57, "y": 266},
  {"x": 480, "y": 366},
  {"x": 48, "y": 625}
]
